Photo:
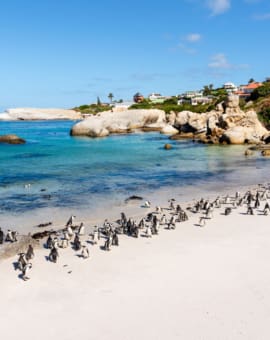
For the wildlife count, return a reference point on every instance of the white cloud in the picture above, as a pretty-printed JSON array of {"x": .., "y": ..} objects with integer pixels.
[
  {"x": 219, "y": 61},
  {"x": 218, "y": 6},
  {"x": 193, "y": 37}
]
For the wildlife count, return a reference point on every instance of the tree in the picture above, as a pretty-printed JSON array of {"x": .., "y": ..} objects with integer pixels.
[
  {"x": 98, "y": 101},
  {"x": 251, "y": 80},
  {"x": 207, "y": 89},
  {"x": 110, "y": 96}
]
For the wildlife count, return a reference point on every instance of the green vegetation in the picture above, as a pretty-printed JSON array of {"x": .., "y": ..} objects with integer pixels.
[
  {"x": 171, "y": 105},
  {"x": 261, "y": 92},
  {"x": 93, "y": 108}
]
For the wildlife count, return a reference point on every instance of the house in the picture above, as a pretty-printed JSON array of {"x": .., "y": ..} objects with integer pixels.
[
  {"x": 191, "y": 94},
  {"x": 245, "y": 91},
  {"x": 230, "y": 87},
  {"x": 156, "y": 98},
  {"x": 201, "y": 100}
]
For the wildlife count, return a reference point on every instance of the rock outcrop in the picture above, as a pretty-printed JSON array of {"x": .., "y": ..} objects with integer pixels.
[
  {"x": 11, "y": 139},
  {"x": 40, "y": 114},
  {"x": 227, "y": 124},
  {"x": 106, "y": 123}
]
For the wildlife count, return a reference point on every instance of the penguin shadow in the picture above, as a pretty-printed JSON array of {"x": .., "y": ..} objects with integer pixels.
[
  {"x": 145, "y": 236},
  {"x": 261, "y": 213},
  {"x": 90, "y": 242},
  {"x": 24, "y": 278},
  {"x": 104, "y": 248},
  {"x": 15, "y": 265}
]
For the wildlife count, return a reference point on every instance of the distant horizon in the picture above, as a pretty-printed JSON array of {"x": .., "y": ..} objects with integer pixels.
[{"x": 66, "y": 54}]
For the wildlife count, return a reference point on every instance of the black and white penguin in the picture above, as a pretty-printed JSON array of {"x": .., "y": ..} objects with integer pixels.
[
  {"x": 77, "y": 243},
  {"x": 21, "y": 263},
  {"x": 30, "y": 253},
  {"x": 53, "y": 256},
  {"x": 25, "y": 271},
  {"x": 81, "y": 229},
  {"x": 9, "y": 236},
  {"x": 85, "y": 252},
  {"x": 2, "y": 236},
  {"x": 70, "y": 221},
  {"x": 49, "y": 242}
]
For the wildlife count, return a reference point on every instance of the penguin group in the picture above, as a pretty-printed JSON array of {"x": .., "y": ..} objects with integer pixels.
[
  {"x": 108, "y": 234},
  {"x": 252, "y": 201}
]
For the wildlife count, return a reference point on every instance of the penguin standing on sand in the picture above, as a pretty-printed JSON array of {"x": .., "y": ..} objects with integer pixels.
[
  {"x": 49, "y": 242},
  {"x": 95, "y": 237},
  {"x": 70, "y": 221},
  {"x": 81, "y": 229},
  {"x": 22, "y": 262},
  {"x": 30, "y": 253},
  {"x": 85, "y": 252},
  {"x": 148, "y": 231},
  {"x": 53, "y": 255},
  {"x": 1, "y": 236},
  {"x": 25, "y": 271},
  {"x": 9, "y": 236}
]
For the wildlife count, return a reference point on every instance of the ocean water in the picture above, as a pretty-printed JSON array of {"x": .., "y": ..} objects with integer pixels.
[{"x": 72, "y": 172}]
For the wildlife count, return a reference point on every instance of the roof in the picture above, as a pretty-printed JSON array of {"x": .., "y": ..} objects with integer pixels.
[{"x": 254, "y": 85}]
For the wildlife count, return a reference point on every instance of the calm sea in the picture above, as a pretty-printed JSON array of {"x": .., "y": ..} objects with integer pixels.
[{"x": 64, "y": 171}]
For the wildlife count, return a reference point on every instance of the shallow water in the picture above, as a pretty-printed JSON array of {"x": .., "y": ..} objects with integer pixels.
[{"x": 69, "y": 172}]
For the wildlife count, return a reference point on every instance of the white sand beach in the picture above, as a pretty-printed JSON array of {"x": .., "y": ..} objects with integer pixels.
[{"x": 194, "y": 282}]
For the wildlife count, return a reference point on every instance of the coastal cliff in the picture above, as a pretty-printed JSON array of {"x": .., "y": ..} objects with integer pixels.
[
  {"x": 228, "y": 124},
  {"x": 39, "y": 114}
]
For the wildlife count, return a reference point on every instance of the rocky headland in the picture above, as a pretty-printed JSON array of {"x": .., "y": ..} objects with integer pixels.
[
  {"x": 39, "y": 114},
  {"x": 227, "y": 124}
]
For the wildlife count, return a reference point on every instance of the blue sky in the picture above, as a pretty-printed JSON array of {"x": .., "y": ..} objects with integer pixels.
[{"x": 63, "y": 53}]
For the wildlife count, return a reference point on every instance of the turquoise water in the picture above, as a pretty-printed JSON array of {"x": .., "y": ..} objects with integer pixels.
[{"x": 64, "y": 171}]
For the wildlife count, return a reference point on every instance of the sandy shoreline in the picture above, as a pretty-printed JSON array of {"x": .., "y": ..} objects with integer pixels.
[{"x": 188, "y": 283}]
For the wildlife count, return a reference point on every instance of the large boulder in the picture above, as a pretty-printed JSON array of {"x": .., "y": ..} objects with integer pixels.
[
  {"x": 169, "y": 130},
  {"x": 190, "y": 121},
  {"x": 232, "y": 104},
  {"x": 11, "y": 139},
  {"x": 241, "y": 135},
  {"x": 125, "y": 121},
  {"x": 40, "y": 114}
]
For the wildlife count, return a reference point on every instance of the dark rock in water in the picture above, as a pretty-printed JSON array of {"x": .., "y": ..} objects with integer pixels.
[
  {"x": 43, "y": 189},
  {"x": 134, "y": 197},
  {"x": 11, "y": 139},
  {"x": 167, "y": 146}
]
